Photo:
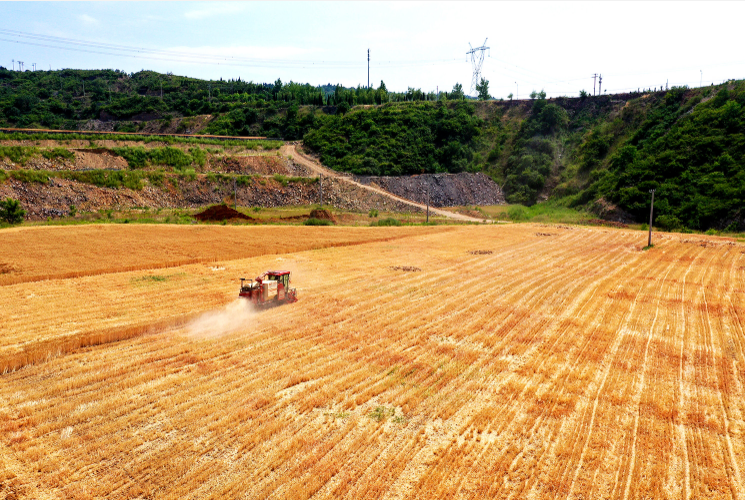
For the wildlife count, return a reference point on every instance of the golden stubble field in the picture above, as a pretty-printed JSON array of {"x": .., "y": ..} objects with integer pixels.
[{"x": 519, "y": 361}]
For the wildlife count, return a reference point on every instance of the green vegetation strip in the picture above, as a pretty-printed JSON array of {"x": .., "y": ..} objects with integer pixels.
[
  {"x": 60, "y": 136},
  {"x": 133, "y": 179}
]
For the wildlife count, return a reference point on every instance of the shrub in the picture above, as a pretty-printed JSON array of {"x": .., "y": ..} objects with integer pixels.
[
  {"x": 11, "y": 211},
  {"x": 372, "y": 213},
  {"x": 517, "y": 213},
  {"x": 669, "y": 222}
]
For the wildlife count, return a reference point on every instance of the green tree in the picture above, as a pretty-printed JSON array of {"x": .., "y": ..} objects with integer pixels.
[
  {"x": 510, "y": 96},
  {"x": 483, "y": 89},
  {"x": 11, "y": 211},
  {"x": 457, "y": 93},
  {"x": 342, "y": 108}
]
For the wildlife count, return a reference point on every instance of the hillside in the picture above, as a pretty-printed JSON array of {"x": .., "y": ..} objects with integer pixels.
[{"x": 603, "y": 153}]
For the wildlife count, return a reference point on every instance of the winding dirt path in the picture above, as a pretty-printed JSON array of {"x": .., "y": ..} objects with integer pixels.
[{"x": 291, "y": 150}]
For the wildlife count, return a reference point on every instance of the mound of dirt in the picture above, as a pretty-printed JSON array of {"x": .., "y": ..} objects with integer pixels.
[
  {"x": 322, "y": 214},
  {"x": 220, "y": 213}
]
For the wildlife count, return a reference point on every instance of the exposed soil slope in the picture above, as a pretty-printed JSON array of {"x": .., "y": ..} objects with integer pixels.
[
  {"x": 314, "y": 165},
  {"x": 54, "y": 199}
]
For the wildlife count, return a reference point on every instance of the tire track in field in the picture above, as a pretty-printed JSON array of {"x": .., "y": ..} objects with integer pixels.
[
  {"x": 577, "y": 300},
  {"x": 733, "y": 470},
  {"x": 596, "y": 330},
  {"x": 637, "y": 397},
  {"x": 602, "y": 381},
  {"x": 680, "y": 393}
]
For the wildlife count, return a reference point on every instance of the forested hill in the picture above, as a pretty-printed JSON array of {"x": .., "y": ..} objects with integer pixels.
[
  {"x": 594, "y": 151},
  {"x": 687, "y": 144}
]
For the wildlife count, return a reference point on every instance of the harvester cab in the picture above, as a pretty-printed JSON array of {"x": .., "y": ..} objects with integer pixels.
[{"x": 271, "y": 288}]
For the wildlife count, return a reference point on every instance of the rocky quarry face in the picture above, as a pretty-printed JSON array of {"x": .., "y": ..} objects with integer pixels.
[
  {"x": 53, "y": 200},
  {"x": 445, "y": 190}
]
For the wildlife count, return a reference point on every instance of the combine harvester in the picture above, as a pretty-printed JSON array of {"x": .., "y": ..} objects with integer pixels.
[{"x": 270, "y": 289}]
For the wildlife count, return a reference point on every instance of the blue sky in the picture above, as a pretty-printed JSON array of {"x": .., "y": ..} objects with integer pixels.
[{"x": 555, "y": 46}]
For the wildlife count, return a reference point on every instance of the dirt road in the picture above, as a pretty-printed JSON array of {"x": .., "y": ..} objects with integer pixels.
[{"x": 291, "y": 150}]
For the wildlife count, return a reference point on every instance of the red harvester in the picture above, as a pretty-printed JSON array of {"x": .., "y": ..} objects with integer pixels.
[{"x": 270, "y": 289}]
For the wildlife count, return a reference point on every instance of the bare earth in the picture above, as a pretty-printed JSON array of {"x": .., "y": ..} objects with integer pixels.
[
  {"x": 290, "y": 150},
  {"x": 519, "y": 361}
]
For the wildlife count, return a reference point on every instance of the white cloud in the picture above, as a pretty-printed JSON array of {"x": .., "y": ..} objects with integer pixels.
[
  {"x": 214, "y": 10},
  {"x": 88, "y": 19}
]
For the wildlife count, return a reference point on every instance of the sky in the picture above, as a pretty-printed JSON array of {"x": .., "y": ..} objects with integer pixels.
[{"x": 552, "y": 46}]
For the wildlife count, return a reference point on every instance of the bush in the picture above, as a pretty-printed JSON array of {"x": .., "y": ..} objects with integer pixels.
[
  {"x": 11, "y": 211},
  {"x": 390, "y": 221},
  {"x": 372, "y": 213},
  {"x": 669, "y": 222},
  {"x": 318, "y": 222},
  {"x": 517, "y": 213}
]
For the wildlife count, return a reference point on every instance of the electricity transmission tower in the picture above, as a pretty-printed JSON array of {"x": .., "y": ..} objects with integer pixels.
[{"x": 477, "y": 59}]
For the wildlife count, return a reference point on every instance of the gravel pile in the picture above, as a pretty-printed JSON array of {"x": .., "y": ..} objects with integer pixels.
[{"x": 445, "y": 190}]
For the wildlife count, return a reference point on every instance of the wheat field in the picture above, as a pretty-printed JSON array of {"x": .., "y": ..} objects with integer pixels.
[{"x": 520, "y": 361}]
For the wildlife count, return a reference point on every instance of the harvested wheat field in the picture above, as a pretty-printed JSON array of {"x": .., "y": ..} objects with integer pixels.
[{"x": 518, "y": 361}]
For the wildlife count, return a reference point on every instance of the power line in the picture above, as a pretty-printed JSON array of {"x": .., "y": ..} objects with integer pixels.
[{"x": 187, "y": 57}]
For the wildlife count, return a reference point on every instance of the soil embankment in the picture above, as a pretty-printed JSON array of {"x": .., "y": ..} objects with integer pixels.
[
  {"x": 291, "y": 151},
  {"x": 53, "y": 200}
]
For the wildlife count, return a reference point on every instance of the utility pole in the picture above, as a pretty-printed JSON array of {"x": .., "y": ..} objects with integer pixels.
[
  {"x": 34, "y": 64},
  {"x": 368, "y": 68},
  {"x": 594, "y": 79},
  {"x": 20, "y": 65},
  {"x": 427, "y": 201},
  {"x": 600, "y": 85},
  {"x": 651, "y": 210},
  {"x": 14, "y": 65}
]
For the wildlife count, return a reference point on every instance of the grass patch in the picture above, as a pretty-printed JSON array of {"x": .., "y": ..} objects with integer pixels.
[
  {"x": 549, "y": 211},
  {"x": 284, "y": 180},
  {"x": 18, "y": 154},
  {"x": 58, "y": 153},
  {"x": 30, "y": 176},
  {"x": 106, "y": 178},
  {"x": 317, "y": 222},
  {"x": 389, "y": 221}
]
